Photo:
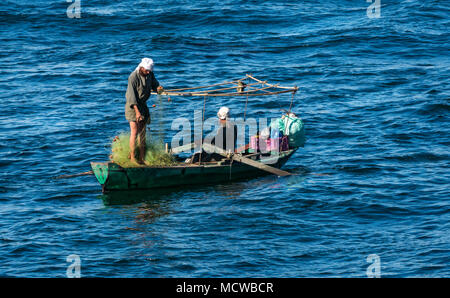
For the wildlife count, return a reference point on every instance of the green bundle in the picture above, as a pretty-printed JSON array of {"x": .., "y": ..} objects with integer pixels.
[{"x": 155, "y": 155}]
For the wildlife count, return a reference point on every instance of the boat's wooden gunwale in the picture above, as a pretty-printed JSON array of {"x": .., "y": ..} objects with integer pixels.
[
  {"x": 196, "y": 165},
  {"x": 112, "y": 177}
]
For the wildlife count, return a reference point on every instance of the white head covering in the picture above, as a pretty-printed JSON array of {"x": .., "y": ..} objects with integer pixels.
[
  {"x": 146, "y": 63},
  {"x": 223, "y": 113}
]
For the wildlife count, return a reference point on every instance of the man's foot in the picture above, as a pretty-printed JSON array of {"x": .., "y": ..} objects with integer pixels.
[
  {"x": 142, "y": 159},
  {"x": 135, "y": 161}
]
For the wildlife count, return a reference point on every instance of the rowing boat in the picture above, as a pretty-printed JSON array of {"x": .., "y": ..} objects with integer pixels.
[
  {"x": 113, "y": 177},
  {"x": 238, "y": 165}
]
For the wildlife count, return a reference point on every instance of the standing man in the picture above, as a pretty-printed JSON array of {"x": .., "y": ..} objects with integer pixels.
[{"x": 140, "y": 84}]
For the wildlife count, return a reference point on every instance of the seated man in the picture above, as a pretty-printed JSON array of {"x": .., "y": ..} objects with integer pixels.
[
  {"x": 226, "y": 135},
  {"x": 225, "y": 138}
]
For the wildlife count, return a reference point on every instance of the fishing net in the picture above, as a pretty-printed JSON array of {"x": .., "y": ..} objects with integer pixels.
[{"x": 155, "y": 153}]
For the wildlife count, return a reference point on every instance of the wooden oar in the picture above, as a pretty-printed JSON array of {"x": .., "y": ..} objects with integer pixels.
[
  {"x": 247, "y": 161},
  {"x": 75, "y": 175},
  {"x": 260, "y": 165}
]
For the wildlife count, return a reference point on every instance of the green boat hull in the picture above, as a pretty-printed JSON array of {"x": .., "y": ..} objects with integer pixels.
[{"x": 113, "y": 177}]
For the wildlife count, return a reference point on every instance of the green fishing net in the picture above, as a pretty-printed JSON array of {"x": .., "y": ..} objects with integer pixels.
[{"x": 155, "y": 154}]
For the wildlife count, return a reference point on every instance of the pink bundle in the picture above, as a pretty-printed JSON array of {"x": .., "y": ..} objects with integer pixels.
[{"x": 275, "y": 144}]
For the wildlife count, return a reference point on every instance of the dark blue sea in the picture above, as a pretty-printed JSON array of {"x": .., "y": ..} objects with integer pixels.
[{"x": 372, "y": 179}]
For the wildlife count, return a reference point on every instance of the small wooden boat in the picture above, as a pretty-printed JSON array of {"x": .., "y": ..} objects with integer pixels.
[{"x": 113, "y": 177}]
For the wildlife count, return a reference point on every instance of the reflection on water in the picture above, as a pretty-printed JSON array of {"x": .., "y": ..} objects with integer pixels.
[
  {"x": 155, "y": 195},
  {"x": 151, "y": 224},
  {"x": 151, "y": 211},
  {"x": 136, "y": 196},
  {"x": 230, "y": 189},
  {"x": 296, "y": 180}
]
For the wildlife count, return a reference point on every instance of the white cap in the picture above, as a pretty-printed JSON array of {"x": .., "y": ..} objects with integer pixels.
[
  {"x": 146, "y": 63},
  {"x": 223, "y": 113}
]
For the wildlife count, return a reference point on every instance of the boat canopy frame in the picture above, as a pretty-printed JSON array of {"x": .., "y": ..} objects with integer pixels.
[{"x": 242, "y": 89}]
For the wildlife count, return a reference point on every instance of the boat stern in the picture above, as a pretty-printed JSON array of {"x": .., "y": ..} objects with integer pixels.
[
  {"x": 100, "y": 170},
  {"x": 111, "y": 176}
]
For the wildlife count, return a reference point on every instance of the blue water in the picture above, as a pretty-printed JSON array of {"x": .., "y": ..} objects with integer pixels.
[{"x": 373, "y": 177}]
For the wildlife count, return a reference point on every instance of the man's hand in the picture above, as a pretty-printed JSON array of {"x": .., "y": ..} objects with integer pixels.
[
  {"x": 160, "y": 89},
  {"x": 139, "y": 117}
]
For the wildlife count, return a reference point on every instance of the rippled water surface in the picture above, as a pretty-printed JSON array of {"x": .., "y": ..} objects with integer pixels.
[{"x": 373, "y": 177}]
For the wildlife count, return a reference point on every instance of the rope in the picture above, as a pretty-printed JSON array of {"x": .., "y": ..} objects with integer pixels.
[
  {"x": 292, "y": 99},
  {"x": 201, "y": 135},
  {"x": 245, "y": 109},
  {"x": 141, "y": 135},
  {"x": 231, "y": 163}
]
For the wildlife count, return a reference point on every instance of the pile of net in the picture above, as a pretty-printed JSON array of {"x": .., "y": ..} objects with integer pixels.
[{"x": 155, "y": 154}]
